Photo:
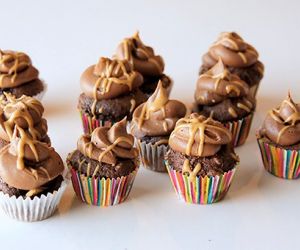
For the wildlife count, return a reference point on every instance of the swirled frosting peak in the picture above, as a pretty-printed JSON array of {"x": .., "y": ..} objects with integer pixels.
[
  {"x": 15, "y": 69},
  {"x": 28, "y": 164},
  {"x": 141, "y": 56},
  {"x": 157, "y": 116},
  {"x": 109, "y": 79},
  {"x": 25, "y": 113},
  {"x": 233, "y": 51},
  {"x": 199, "y": 136},
  {"x": 282, "y": 124},
  {"x": 218, "y": 84},
  {"x": 108, "y": 144}
]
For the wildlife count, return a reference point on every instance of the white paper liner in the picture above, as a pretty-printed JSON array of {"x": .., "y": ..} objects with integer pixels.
[
  {"x": 152, "y": 156},
  {"x": 30, "y": 210},
  {"x": 40, "y": 95}
]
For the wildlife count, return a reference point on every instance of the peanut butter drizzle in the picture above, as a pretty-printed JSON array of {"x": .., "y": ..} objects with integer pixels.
[
  {"x": 232, "y": 112},
  {"x": 156, "y": 102},
  {"x": 162, "y": 141},
  {"x": 187, "y": 169},
  {"x": 33, "y": 192},
  {"x": 243, "y": 106},
  {"x": 243, "y": 57},
  {"x": 133, "y": 104}
]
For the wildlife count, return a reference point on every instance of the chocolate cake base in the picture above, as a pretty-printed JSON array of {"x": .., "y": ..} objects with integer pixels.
[
  {"x": 289, "y": 147},
  {"x": 153, "y": 139}
]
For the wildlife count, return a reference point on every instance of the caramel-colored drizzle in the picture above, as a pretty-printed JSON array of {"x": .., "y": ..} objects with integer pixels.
[
  {"x": 187, "y": 169},
  {"x": 132, "y": 105},
  {"x": 162, "y": 141},
  {"x": 232, "y": 112}
]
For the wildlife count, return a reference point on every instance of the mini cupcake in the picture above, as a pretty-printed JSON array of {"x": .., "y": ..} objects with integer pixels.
[
  {"x": 144, "y": 60},
  {"x": 31, "y": 176},
  {"x": 110, "y": 93},
  {"x": 226, "y": 97},
  {"x": 25, "y": 112},
  {"x": 104, "y": 165},
  {"x": 201, "y": 161},
  {"x": 152, "y": 124},
  {"x": 240, "y": 58},
  {"x": 18, "y": 76},
  {"x": 279, "y": 140}
]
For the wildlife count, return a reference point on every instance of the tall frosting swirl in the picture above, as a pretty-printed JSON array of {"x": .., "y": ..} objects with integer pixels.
[
  {"x": 15, "y": 69},
  {"x": 25, "y": 113},
  {"x": 108, "y": 144},
  {"x": 28, "y": 164},
  {"x": 282, "y": 124},
  {"x": 199, "y": 136},
  {"x": 157, "y": 116},
  {"x": 141, "y": 56},
  {"x": 109, "y": 79},
  {"x": 233, "y": 51}
]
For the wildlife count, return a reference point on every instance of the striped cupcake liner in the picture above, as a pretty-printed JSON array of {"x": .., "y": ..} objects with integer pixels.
[
  {"x": 201, "y": 190},
  {"x": 102, "y": 192},
  {"x": 283, "y": 163},
  {"x": 152, "y": 156},
  {"x": 240, "y": 130},
  {"x": 90, "y": 123}
]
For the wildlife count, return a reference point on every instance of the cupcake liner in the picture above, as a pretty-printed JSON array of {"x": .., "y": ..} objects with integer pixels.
[
  {"x": 30, "y": 210},
  {"x": 240, "y": 130},
  {"x": 283, "y": 163},
  {"x": 90, "y": 123},
  {"x": 201, "y": 190},
  {"x": 40, "y": 95},
  {"x": 253, "y": 90},
  {"x": 152, "y": 156},
  {"x": 102, "y": 192}
]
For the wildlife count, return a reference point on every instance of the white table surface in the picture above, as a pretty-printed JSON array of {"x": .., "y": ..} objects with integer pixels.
[{"x": 64, "y": 37}]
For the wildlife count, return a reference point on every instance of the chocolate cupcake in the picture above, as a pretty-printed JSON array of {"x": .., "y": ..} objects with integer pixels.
[
  {"x": 104, "y": 165},
  {"x": 201, "y": 161},
  {"x": 110, "y": 93},
  {"x": 144, "y": 60},
  {"x": 18, "y": 76},
  {"x": 25, "y": 112},
  {"x": 31, "y": 176},
  {"x": 152, "y": 124},
  {"x": 240, "y": 58},
  {"x": 226, "y": 97},
  {"x": 279, "y": 140}
]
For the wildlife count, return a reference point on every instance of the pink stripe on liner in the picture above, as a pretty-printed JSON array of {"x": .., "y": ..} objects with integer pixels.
[{"x": 90, "y": 123}]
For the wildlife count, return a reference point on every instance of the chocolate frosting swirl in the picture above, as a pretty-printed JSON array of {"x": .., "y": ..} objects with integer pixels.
[
  {"x": 109, "y": 79},
  {"x": 282, "y": 124},
  {"x": 141, "y": 56},
  {"x": 29, "y": 164},
  {"x": 24, "y": 112},
  {"x": 108, "y": 144},
  {"x": 199, "y": 136},
  {"x": 157, "y": 116},
  {"x": 15, "y": 69},
  {"x": 233, "y": 51}
]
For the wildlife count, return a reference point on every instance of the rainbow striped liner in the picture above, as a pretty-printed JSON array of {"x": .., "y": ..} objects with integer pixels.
[
  {"x": 278, "y": 161},
  {"x": 202, "y": 190},
  {"x": 240, "y": 130},
  {"x": 102, "y": 192},
  {"x": 90, "y": 123}
]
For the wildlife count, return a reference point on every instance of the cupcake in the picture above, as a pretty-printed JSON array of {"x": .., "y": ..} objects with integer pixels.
[
  {"x": 18, "y": 76},
  {"x": 104, "y": 165},
  {"x": 25, "y": 112},
  {"x": 201, "y": 161},
  {"x": 144, "y": 60},
  {"x": 240, "y": 58},
  {"x": 110, "y": 93},
  {"x": 152, "y": 124},
  {"x": 31, "y": 176},
  {"x": 225, "y": 97},
  {"x": 279, "y": 140}
]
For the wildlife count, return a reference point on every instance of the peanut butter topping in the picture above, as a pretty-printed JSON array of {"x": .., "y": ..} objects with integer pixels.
[
  {"x": 233, "y": 51},
  {"x": 199, "y": 136},
  {"x": 109, "y": 79},
  {"x": 141, "y": 56},
  {"x": 15, "y": 69},
  {"x": 108, "y": 144},
  {"x": 157, "y": 116},
  {"x": 282, "y": 124},
  {"x": 24, "y": 112}
]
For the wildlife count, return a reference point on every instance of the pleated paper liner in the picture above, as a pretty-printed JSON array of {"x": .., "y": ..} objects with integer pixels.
[
  {"x": 283, "y": 163},
  {"x": 240, "y": 130},
  {"x": 152, "y": 156},
  {"x": 90, "y": 123},
  {"x": 102, "y": 192},
  {"x": 30, "y": 210},
  {"x": 201, "y": 190}
]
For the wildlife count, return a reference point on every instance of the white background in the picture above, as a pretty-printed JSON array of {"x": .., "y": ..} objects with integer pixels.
[{"x": 64, "y": 37}]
